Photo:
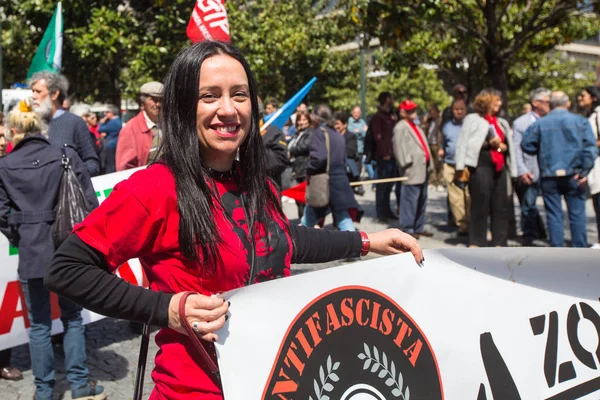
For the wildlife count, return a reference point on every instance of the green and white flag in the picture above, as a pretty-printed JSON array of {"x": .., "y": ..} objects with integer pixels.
[{"x": 48, "y": 56}]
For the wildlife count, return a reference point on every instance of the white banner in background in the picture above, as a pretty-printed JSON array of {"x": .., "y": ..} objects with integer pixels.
[
  {"x": 472, "y": 324},
  {"x": 13, "y": 310}
]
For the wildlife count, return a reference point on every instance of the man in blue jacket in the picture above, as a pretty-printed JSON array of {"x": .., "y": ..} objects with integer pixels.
[
  {"x": 110, "y": 127},
  {"x": 566, "y": 149},
  {"x": 528, "y": 185}
]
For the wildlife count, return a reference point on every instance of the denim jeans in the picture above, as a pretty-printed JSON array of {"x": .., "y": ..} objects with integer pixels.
[
  {"x": 531, "y": 221},
  {"x": 369, "y": 167},
  {"x": 341, "y": 218},
  {"x": 385, "y": 169},
  {"x": 553, "y": 189},
  {"x": 40, "y": 346},
  {"x": 413, "y": 203}
]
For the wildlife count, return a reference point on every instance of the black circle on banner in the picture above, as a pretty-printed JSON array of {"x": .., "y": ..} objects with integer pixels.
[{"x": 353, "y": 343}]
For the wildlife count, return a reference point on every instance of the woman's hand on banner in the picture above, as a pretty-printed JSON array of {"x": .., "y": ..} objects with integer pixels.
[
  {"x": 394, "y": 241},
  {"x": 205, "y": 315}
]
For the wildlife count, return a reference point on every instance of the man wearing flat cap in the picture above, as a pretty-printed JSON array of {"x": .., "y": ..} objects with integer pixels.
[
  {"x": 415, "y": 162},
  {"x": 139, "y": 139}
]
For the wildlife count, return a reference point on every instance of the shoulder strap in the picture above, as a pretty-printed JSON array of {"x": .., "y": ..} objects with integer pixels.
[
  {"x": 324, "y": 130},
  {"x": 66, "y": 162}
]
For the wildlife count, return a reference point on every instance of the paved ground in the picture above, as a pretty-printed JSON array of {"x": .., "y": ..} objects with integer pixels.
[{"x": 113, "y": 349}]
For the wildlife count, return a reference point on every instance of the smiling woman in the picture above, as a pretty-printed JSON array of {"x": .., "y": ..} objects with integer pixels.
[{"x": 200, "y": 222}]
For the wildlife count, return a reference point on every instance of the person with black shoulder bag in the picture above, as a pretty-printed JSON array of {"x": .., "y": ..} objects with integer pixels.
[
  {"x": 328, "y": 185},
  {"x": 34, "y": 178}
]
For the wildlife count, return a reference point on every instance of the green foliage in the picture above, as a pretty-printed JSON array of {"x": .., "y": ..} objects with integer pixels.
[
  {"x": 474, "y": 42},
  {"x": 553, "y": 72},
  {"x": 111, "y": 47}
]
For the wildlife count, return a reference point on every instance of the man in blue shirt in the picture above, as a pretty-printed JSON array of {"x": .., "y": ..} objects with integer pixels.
[
  {"x": 458, "y": 194},
  {"x": 109, "y": 129},
  {"x": 566, "y": 149},
  {"x": 528, "y": 186}
]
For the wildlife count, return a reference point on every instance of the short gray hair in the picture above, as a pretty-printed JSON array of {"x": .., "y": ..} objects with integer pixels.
[
  {"x": 81, "y": 109},
  {"x": 54, "y": 82},
  {"x": 559, "y": 99},
  {"x": 113, "y": 109},
  {"x": 537, "y": 94}
]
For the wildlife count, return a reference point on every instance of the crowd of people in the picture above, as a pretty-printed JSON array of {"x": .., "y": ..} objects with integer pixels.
[
  {"x": 212, "y": 150},
  {"x": 471, "y": 152}
]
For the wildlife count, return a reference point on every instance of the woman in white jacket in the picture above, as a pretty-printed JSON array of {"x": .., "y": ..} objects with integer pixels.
[
  {"x": 483, "y": 149},
  {"x": 589, "y": 103}
]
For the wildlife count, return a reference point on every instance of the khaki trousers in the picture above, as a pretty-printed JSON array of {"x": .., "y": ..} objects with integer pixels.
[{"x": 460, "y": 200}]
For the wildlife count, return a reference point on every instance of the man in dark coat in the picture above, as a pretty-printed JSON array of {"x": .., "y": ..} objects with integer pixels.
[
  {"x": 64, "y": 128},
  {"x": 277, "y": 155},
  {"x": 382, "y": 127},
  {"x": 341, "y": 197}
]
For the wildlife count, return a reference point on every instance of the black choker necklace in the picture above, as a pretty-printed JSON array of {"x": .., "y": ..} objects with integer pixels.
[{"x": 221, "y": 176}]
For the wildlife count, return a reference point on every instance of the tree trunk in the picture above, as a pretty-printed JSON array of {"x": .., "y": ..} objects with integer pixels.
[
  {"x": 496, "y": 65},
  {"x": 115, "y": 95},
  {"x": 497, "y": 74}
]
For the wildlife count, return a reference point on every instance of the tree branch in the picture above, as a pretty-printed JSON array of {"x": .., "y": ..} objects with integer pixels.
[{"x": 549, "y": 21}]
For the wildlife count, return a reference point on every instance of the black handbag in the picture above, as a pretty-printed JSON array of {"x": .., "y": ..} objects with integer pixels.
[{"x": 71, "y": 207}]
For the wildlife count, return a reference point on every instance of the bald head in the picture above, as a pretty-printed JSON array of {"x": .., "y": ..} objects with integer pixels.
[{"x": 559, "y": 99}]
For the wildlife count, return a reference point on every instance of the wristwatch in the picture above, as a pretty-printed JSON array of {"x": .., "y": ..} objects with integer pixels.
[{"x": 366, "y": 244}]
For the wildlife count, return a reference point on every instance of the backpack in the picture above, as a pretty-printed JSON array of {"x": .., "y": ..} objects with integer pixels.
[{"x": 71, "y": 207}]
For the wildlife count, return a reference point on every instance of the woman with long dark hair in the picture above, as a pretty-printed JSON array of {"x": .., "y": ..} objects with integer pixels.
[
  {"x": 589, "y": 103},
  {"x": 200, "y": 222}
]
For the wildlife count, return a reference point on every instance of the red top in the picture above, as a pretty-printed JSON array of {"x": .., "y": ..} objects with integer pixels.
[
  {"x": 497, "y": 158},
  {"x": 421, "y": 140},
  {"x": 140, "y": 219}
]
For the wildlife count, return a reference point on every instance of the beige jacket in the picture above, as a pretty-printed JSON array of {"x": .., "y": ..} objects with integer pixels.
[{"x": 410, "y": 155}]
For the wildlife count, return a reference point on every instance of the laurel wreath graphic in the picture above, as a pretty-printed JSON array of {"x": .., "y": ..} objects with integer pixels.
[
  {"x": 325, "y": 385},
  {"x": 377, "y": 363}
]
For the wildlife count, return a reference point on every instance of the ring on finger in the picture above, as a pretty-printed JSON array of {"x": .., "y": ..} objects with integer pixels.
[{"x": 195, "y": 327}]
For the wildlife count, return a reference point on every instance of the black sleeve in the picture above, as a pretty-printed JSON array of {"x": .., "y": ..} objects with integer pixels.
[
  {"x": 85, "y": 148},
  {"x": 79, "y": 273},
  {"x": 317, "y": 161},
  {"x": 277, "y": 155},
  {"x": 321, "y": 245},
  {"x": 351, "y": 146}
]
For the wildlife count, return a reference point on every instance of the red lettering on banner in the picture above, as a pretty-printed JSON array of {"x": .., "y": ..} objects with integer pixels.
[
  {"x": 9, "y": 310},
  {"x": 127, "y": 274}
]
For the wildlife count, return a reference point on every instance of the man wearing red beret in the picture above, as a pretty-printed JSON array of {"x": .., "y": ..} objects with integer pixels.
[{"x": 415, "y": 162}]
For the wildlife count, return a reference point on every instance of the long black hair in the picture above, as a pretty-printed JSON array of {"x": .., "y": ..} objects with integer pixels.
[
  {"x": 594, "y": 92},
  {"x": 180, "y": 151}
]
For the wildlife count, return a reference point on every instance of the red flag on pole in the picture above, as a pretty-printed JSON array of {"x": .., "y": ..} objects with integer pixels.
[{"x": 208, "y": 22}]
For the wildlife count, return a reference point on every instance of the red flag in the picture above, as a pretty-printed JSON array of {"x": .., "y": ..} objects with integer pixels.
[
  {"x": 298, "y": 193},
  {"x": 208, "y": 22}
]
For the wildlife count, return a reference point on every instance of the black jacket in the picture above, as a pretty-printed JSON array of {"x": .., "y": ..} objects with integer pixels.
[
  {"x": 277, "y": 156},
  {"x": 30, "y": 177},
  {"x": 351, "y": 145},
  {"x": 300, "y": 151}
]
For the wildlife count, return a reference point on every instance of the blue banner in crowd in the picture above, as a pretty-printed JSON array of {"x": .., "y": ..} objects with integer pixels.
[{"x": 280, "y": 117}]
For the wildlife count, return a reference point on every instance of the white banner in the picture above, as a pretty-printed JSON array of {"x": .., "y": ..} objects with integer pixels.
[
  {"x": 14, "y": 322},
  {"x": 472, "y": 324}
]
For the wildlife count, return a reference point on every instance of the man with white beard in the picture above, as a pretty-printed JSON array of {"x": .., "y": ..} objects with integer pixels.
[{"x": 64, "y": 128}]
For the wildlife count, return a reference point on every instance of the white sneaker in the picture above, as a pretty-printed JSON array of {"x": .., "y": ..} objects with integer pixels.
[{"x": 596, "y": 246}]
